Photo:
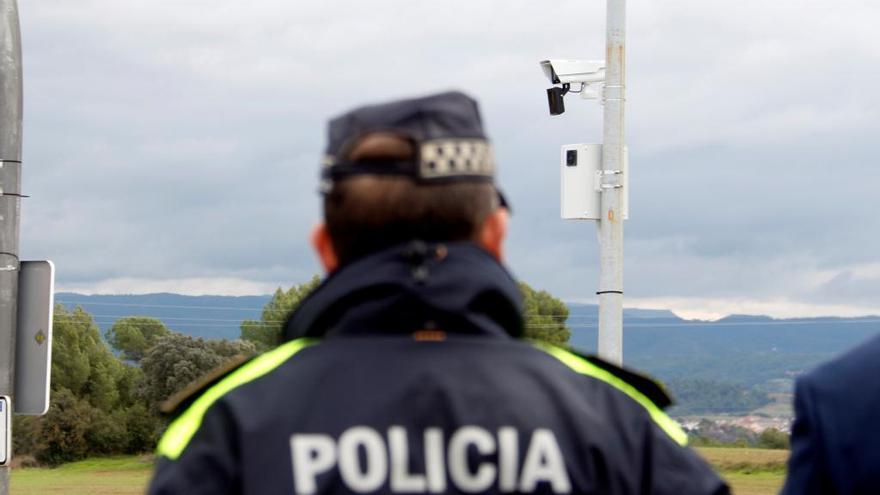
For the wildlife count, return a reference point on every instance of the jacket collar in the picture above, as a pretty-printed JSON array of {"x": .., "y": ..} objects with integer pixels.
[{"x": 458, "y": 288}]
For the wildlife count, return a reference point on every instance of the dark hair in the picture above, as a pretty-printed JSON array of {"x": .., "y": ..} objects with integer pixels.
[{"x": 367, "y": 213}]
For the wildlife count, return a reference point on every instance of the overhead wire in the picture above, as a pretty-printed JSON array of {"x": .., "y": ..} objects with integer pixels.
[
  {"x": 173, "y": 306},
  {"x": 572, "y": 321},
  {"x": 139, "y": 305},
  {"x": 107, "y": 320}
]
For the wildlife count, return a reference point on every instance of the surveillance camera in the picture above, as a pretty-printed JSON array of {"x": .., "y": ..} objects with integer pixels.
[
  {"x": 562, "y": 71},
  {"x": 588, "y": 73}
]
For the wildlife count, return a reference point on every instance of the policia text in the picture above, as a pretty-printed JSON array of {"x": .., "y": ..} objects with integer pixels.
[{"x": 366, "y": 460}]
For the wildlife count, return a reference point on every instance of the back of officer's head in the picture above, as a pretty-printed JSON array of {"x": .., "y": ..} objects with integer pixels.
[{"x": 366, "y": 212}]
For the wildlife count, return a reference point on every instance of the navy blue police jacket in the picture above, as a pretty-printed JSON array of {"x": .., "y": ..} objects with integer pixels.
[
  {"x": 835, "y": 441},
  {"x": 404, "y": 373}
]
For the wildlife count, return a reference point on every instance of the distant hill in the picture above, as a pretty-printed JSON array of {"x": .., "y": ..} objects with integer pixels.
[
  {"x": 215, "y": 317},
  {"x": 578, "y": 311},
  {"x": 219, "y": 317},
  {"x": 756, "y": 351},
  {"x": 748, "y": 350}
]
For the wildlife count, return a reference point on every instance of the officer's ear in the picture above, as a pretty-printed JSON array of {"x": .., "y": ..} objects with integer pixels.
[
  {"x": 324, "y": 248},
  {"x": 493, "y": 232}
]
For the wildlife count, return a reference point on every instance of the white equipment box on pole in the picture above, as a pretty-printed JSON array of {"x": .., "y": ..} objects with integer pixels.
[
  {"x": 581, "y": 179},
  {"x": 33, "y": 342}
]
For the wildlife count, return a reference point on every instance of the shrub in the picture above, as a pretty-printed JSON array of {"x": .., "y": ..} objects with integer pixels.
[{"x": 62, "y": 435}]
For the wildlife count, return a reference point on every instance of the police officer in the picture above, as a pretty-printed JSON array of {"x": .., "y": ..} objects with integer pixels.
[{"x": 405, "y": 371}]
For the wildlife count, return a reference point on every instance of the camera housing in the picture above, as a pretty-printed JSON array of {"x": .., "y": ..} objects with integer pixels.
[
  {"x": 561, "y": 71},
  {"x": 588, "y": 73}
]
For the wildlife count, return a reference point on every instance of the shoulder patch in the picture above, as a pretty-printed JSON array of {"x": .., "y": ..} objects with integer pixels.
[
  {"x": 181, "y": 400},
  {"x": 619, "y": 378},
  {"x": 182, "y": 429},
  {"x": 650, "y": 388}
]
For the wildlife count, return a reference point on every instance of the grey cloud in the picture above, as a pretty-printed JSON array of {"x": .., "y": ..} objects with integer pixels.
[{"x": 182, "y": 139}]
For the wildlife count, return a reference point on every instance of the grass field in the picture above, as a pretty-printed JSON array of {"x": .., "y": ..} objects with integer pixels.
[
  {"x": 116, "y": 476},
  {"x": 749, "y": 472}
]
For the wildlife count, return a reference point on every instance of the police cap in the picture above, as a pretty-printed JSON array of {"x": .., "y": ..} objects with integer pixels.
[{"x": 445, "y": 130}]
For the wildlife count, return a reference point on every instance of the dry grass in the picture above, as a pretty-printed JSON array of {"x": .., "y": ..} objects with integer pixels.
[
  {"x": 114, "y": 476},
  {"x": 749, "y": 472},
  {"x": 745, "y": 460},
  {"x": 755, "y": 483}
]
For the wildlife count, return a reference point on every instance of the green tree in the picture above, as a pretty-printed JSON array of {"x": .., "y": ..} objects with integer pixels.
[
  {"x": 61, "y": 435},
  {"x": 93, "y": 394},
  {"x": 74, "y": 335},
  {"x": 771, "y": 438},
  {"x": 81, "y": 362},
  {"x": 143, "y": 427},
  {"x": 26, "y": 437},
  {"x": 129, "y": 386},
  {"x": 695, "y": 396},
  {"x": 177, "y": 360},
  {"x": 132, "y": 336},
  {"x": 266, "y": 333},
  {"x": 228, "y": 349},
  {"x": 545, "y": 316},
  {"x": 107, "y": 433}
]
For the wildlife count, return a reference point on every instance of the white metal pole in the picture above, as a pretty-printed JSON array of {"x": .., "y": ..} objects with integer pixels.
[{"x": 611, "y": 223}]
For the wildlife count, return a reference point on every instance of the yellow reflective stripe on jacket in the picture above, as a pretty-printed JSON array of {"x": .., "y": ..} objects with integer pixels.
[
  {"x": 585, "y": 367},
  {"x": 181, "y": 431}
]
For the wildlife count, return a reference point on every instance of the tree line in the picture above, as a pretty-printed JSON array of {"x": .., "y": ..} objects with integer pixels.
[
  {"x": 709, "y": 433},
  {"x": 696, "y": 396},
  {"x": 107, "y": 390}
]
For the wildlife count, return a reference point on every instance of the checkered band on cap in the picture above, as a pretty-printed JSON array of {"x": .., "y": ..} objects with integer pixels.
[{"x": 454, "y": 158}]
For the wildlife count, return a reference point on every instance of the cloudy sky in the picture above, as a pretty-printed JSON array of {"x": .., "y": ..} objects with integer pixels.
[{"x": 173, "y": 145}]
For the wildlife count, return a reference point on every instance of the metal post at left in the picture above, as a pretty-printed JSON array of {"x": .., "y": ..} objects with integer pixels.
[{"x": 10, "y": 194}]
